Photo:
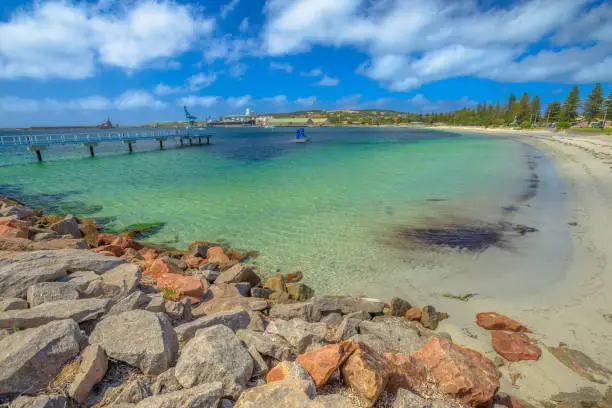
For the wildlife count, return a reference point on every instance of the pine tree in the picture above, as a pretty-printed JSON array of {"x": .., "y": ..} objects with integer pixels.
[
  {"x": 509, "y": 109},
  {"x": 571, "y": 104},
  {"x": 534, "y": 108},
  {"x": 594, "y": 103},
  {"x": 523, "y": 108},
  {"x": 608, "y": 107},
  {"x": 553, "y": 112}
]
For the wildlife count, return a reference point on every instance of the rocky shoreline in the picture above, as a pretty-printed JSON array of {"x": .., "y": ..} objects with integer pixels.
[{"x": 94, "y": 319}]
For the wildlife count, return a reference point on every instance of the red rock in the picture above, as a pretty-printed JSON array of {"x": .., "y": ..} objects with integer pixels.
[
  {"x": 293, "y": 277},
  {"x": 149, "y": 254},
  {"x": 460, "y": 372},
  {"x": 161, "y": 267},
  {"x": 509, "y": 401},
  {"x": 322, "y": 362},
  {"x": 106, "y": 253},
  {"x": 515, "y": 346},
  {"x": 126, "y": 242},
  {"x": 187, "y": 285},
  {"x": 495, "y": 321},
  {"x": 13, "y": 228},
  {"x": 216, "y": 255},
  {"x": 405, "y": 371},
  {"x": 113, "y": 249},
  {"x": 193, "y": 262},
  {"x": 413, "y": 314},
  {"x": 366, "y": 372},
  {"x": 106, "y": 239}
]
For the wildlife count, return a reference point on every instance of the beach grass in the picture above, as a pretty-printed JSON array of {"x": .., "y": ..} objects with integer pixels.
[{"x": 606, "y": 131}]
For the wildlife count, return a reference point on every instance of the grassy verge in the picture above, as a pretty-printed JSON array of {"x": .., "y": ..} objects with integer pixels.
[{"x": 606, "y": 131}]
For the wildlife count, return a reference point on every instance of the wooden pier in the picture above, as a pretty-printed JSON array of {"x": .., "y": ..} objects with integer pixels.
[{"x": 39, "y": 142}]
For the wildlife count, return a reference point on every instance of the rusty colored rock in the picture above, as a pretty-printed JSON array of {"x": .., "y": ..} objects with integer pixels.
[
  {"x": 149, "y": 254},
  {"x": 186, "y": 285},
  {"x": 366, "y": 372},
  {"x": 112, "y": 249},
  {"x": 460, "y": 372},
  {"x": 287, "y": 370},
  {"x": 161, "y": 267},
  {"x": 405, "y": 371},
  {"x": 276, "y": 283},
  {"x": 495, "y": 321},
  {"x": 126, "y": 242},
  {"x": 90, "y": 233},
  {"x": 105, "y": 239},
  {"x": 293, "y": 277},
  {"x": 220, "y": 298},
  {"x": 322, "y": 362},
  {"x": 514, "y": 346},
  {"x": 215, "y": 254},
  {"x": 413, "y": 314},
  {"x": 194, "y": 262},
  {"x": 13, "y": 228}
]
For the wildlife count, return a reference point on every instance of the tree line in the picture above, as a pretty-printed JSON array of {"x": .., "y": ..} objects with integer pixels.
[{"x": 527, "y": 111}]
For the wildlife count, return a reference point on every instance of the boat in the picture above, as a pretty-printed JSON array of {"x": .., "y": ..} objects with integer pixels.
[{"x": 300, "y": 136}]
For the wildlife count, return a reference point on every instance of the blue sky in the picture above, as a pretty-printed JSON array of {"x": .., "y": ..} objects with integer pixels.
[{"x": 76, "y": 62}]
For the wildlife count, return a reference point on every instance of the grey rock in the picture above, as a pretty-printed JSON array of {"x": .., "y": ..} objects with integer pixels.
[
  {"x": 332, "y": 319},
  {"x": 7, "y": 304},
  {"x": 81, "y": 279},
  {"x": 234, "y": 319},
  {"x": 44, "y": 236},
  {"x": 209, "y": 274},
  {"x": 19, "y": 211},
  {"x": 126, "y": 276},
  {"x": 239, "y": 273},
  {"x": 80, "y": 310},
  {"x": 200, "y": 250},
  {"x": 333, "y": 401},
  {"x": 430, "y": 317},
  {"x": 166, "y": 382},
  {"x": 244, "y": 288},
  {"x": 260, "y": 367},
  {"x": 210, "y": 266},
  {"x": 142, "y": 339},
  {"x": 200, "y": 396},
  {"x": 41, "y": 401},
  {"x": 263, "y": 293},
  {"x": 304, "y": 310},
  {"x": 294, "y": 371},
  {"x": 394, "y": 332},
  {"x": 585, "y": 396},
  {"x": 346, "y": 305},
  {"x": 133, "y": 392},
  {"x": 299, "y": 333},
  {"x": 30, "y": 359},
  {"x": 225, "y": 403},
  {"x": 45, "y": 292},
  {"x": 99, "y": 289},
  {"x": 399, "y": 307},
  {"x": 19, "y": 271},
  {"x": 92, "y": 369},
  {"x": 174, "y": 310},
  {"x": 348, "y": 328},
  {"x": 258, "y": 305},
  {"x": 67, "y": 226},
  {"x": 374, "y": 342},
  {"x": 215, "y": 354},
  {"x": 287, "y": 394},
  {"x": 157, "y": 304},
  {"x": 137, "y": 300},
  {"x": 267, "y": 344},
  {"x": 408, "y": 399}
]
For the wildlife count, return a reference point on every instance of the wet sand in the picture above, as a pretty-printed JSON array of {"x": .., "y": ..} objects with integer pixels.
[{"x": 557, "y": 281}]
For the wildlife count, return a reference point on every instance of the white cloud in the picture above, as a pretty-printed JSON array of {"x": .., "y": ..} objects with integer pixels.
[
  {"x": 65, "y": 40},
  {"x": 194, "y": 83},
  {"x": 228, "y": 8},
  {"x": 136, "y": 99},
  {"x": 288, "y": 68},
  {"x": 203, "y": 101},
  {"x": 244, "y": 25},
  {"x": 308, "y": 102},
  {"x": 130, "y": 99},
  {"x": 279, "y": 100},
  {"x": 315, "y": 72},
  {"x": 328, "y": 81},
  {"x": 419, "y": 103},
  {"x": 410, "y": 43},
  {"x": 237, "y": 70},
  {"x": 239, "y": 101}
]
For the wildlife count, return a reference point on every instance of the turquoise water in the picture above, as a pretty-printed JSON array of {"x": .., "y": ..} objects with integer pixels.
[{"x": 330, "y": 208}]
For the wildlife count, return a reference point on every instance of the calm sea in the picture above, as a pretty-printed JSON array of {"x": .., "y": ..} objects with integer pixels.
[{"x": 331, "y": 208}]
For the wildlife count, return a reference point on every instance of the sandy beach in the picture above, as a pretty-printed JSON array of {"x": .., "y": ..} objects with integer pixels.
[{"x": 570, "y": 308}]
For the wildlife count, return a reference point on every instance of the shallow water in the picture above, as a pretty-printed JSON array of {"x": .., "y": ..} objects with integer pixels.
[{"x": 331, "y": 208}]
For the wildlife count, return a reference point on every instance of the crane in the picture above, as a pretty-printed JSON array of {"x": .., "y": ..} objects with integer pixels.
[{"x": 189, "y": 118}]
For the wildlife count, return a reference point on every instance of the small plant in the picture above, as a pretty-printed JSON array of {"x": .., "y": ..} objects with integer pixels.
[
  {"x": 563, "y": 125},
  {"x": 171, "y": 294},
  {"x": 14, "y": 329},
  {"x": 463, "y": 298},
  {"x": 525, "y": 125}
]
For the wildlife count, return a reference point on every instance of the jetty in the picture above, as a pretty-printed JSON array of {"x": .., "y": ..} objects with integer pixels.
[{"x": 39, "y": 142}]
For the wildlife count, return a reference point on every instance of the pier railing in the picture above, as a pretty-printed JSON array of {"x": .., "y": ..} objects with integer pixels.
[{"x": 48, "y": 139}]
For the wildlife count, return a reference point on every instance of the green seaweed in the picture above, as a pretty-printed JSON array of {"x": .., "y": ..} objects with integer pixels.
[
  {"x": 463, "y": 298},
  {"x": 143, "y": 230}
]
